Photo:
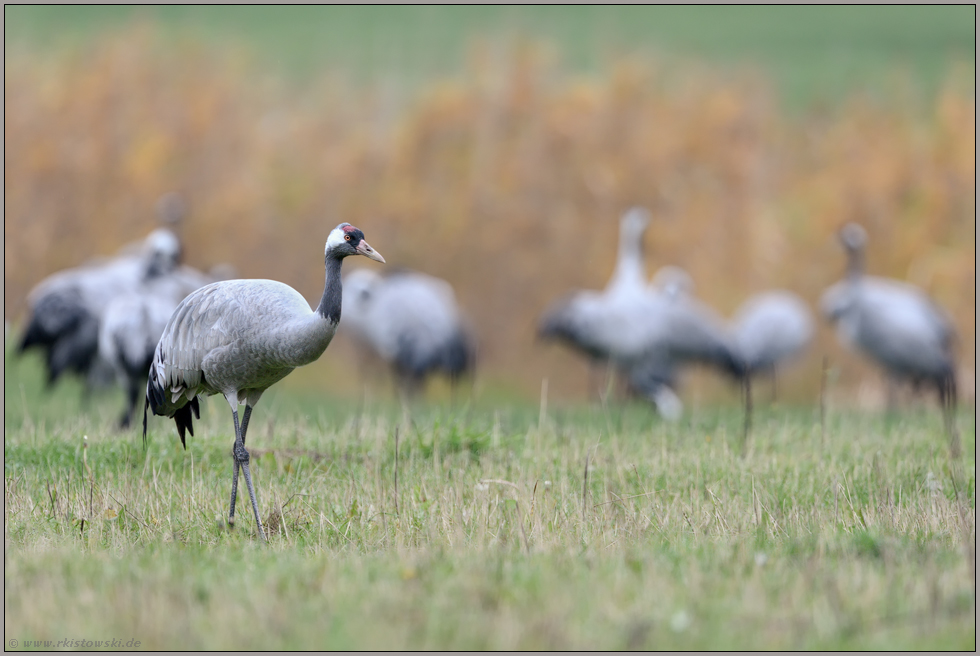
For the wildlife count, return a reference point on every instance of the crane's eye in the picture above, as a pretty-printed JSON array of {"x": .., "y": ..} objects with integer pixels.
[{"x": 347, "y": 237}]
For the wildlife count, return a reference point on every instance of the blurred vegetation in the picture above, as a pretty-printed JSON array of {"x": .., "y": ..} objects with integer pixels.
[
  {"x": 507, "y": 179},
  {"x": 813, "y": 53}
]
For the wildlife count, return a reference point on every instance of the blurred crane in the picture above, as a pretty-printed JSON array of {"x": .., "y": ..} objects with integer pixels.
[
  {"x": 66, "y": 308},
  {"x": 648, "y": 340},
  {"x": 134, "y": 321},
  {"x": 769, "y": 329},
  {"x": 237, "y": 338},
  {"x": 894, "y": 324},
  {"x": 657, "y": 379},
  {"x": 411, "y": 321},
  {"x": 626, "y": 285},
  {"x": 646, "y": 333},
  {"x": 695, "y": 334}
]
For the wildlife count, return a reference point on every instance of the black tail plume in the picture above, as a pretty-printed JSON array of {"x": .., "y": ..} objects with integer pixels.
[{"x": 184, "y": 420}]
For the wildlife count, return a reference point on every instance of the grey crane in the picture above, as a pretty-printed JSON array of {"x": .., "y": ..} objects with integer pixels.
[
  {"x": 66, "y": 308},
  {"x": 656, "y": 379},
  {"x": 411, "y": 321},
  {"x": 133, "y": 323},
  {"x": 627, "y": 285},
  {"x": 690, "y": 331},
  {"x": 893, "y": 323},
  {"x": 768, "y": 329},
  {"x": 771, "y": 327},
  {"x": 237, "y": 338},
  {"x": 648, "y": 338}
]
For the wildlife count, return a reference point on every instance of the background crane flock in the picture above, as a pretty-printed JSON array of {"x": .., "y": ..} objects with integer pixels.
[
  {"x": 143, "y": 318},
  {"x": 102, "y": 321}
]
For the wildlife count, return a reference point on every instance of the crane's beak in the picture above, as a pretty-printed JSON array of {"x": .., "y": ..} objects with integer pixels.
[{"x": 365, "y": 249}]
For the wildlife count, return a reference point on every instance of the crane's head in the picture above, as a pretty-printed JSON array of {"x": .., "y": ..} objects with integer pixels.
[
  {"x": 634, "y": 222},
  {"x": 673, "y": 281},
  {"x": 853, "y": 237},
  {"x": 162, "y": 252},
  {"x": 346, "y": 240}
]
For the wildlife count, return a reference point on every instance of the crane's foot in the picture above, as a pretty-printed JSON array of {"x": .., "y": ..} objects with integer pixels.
[
  {"x": 255, "y": 505},
  {"x": 234, "y": 488},
  {"x": 241, "y": 460}
]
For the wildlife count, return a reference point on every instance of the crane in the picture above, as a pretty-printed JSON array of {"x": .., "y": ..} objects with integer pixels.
[
  {"x": 648, "y": 339},
  {"x": 411, "y": 321},
  {"x": 626, "y": 285},
  {"x": 67, "y": 307},
  {"x": 237, "y": 338},
  {"x": 133, "y": 322},
  {"x": 767, "y": 329},
  {"x": 893, "y": 323}
]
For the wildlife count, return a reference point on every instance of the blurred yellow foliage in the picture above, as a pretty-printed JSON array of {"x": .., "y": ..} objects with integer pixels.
[{"x": 508, "y": 182}]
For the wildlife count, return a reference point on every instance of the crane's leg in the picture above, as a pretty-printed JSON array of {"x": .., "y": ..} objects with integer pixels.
[
  {"x": 608, "y": 392},
  {"x": 747, "y": 428},
  {"x": 235, "y": 464},
  {"x": 251, "y": 493},
  {"x": 241, "y": 460},
  {"x": 235, "y": 467},
  {"x": 245, "y": 416},
  {"x": 947, "y": 399},
  {"x": 234, "y": 487},
  {"x": 132, "y": 395}
]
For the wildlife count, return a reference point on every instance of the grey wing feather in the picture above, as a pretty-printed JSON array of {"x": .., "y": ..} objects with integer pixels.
[
  {"x": 773, "y": 326},
  {"x": 194, "y": 330},
  {"x": 694, "y": 332}
]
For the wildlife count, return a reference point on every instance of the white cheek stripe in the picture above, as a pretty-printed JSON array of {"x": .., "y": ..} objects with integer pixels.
[{"x": 335, "y": 239}]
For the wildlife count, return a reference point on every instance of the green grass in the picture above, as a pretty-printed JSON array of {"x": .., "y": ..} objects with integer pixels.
[
  {"x": 813, "y": 53},
  {"x": 493, "y": 536}
]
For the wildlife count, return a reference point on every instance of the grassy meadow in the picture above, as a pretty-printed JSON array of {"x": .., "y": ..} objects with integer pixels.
[{"x": 469, "y": 526}]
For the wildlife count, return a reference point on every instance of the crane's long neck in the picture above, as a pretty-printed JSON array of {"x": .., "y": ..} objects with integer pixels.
[
  {"x": 855, "y": 264},
  {"x": 630, "y": 270},
  {"x": 306, "y": 336},
  {"x": 330, "y": 302}
]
